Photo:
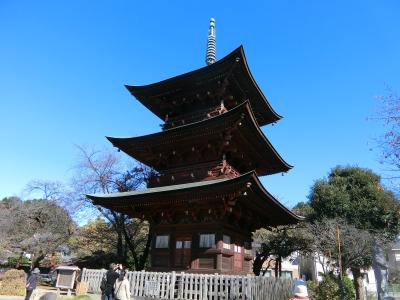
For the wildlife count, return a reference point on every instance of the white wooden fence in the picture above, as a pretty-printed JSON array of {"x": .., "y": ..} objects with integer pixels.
[{"x": 197, "y": 286}]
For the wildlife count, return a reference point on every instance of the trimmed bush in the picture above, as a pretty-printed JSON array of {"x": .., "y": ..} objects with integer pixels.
[
  {"x": 350, "y": 292},
  {"x": 13, "y": 261},
  {"x": 312, "y": 288},
  {"x": 13, "y": 283},
  {"x": 329, "y": 288}
]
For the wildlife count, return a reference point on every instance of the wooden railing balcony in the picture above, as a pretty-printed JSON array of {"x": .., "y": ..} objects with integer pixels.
[
  {"x": 199, "y": 115},
  {"x": 206, "y": 171}
]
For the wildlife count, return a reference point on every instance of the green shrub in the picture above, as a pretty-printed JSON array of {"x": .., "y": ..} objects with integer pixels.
[
  {"x": 312, "y": 287},
  {"x": 51, "y": 260},
  {"x": 329, "y": 288},
  {"x": 13, "y": 261},
  {"x": 349, "y": 291},
  {"x": 13, "y": 283}
]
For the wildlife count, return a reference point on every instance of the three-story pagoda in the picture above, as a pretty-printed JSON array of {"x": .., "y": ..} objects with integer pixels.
[{"x": 205, "y": 199}]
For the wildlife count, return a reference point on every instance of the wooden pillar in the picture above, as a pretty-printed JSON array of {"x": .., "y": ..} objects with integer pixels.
[
  {"x": 218, "y": 237},
  {"x": 172, "y": 238},
  {"x": 219, "y": 262}
]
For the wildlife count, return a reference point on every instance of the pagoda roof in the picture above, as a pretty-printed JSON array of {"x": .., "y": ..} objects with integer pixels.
[
  {"x": 250, "y": 140},
  {"x": 257, "y": 198},
  {"x": 159, "y": 97}
]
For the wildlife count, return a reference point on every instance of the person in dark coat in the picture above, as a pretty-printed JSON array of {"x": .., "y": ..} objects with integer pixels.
[
  {"x": 31, "y": 282},
  {"x": 109, "y": 280}
]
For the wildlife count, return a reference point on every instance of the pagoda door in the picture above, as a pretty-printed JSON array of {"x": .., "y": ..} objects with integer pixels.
[
  {"x": 238, "y": 258},
  {"x": 183, "y": 252}
]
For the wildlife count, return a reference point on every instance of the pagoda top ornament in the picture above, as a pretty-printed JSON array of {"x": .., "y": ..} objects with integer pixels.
[{"x": 211, "y": 44}]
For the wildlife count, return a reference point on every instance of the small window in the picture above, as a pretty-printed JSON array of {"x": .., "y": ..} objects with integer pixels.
[
  {"x": 226, "y": 242},
  {"x": 397, "y": 257},
  {"x": 162, "y": 241},
  {"x": 207, "y": 241},
  {"x": 267, "y": 273},
  {"x": 286, "y": 274},
  {"x": 238, "y": 249},
  {"x": 187, "y": 244},
  {"x": 178, "y": 244}
]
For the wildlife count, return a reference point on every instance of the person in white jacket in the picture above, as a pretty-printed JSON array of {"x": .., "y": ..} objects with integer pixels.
[{"x": 121, "y": 287}]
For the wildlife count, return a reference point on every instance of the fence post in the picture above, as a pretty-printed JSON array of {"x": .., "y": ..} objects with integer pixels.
[
  {"x": 248, "y": 288},
  {"x": 83, "y": 274},
  {"x": 181, "y": 286},
  {"x": 216, "y": 282},
  {"x": 172, "y": 285}
]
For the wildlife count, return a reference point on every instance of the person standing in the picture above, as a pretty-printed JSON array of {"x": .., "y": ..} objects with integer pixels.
[
  {"x": 121, "y": 287},
  {"x": 31, "y": 282},
  {"x": 107, "y": 286}
]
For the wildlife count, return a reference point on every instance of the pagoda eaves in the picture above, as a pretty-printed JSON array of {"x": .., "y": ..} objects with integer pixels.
[
  {"x": 221, "y": 80},
  {"x": 229, "y": 197},
  {"x": 243, "y": 143}
]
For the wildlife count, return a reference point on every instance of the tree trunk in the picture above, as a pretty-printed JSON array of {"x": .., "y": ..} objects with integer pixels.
[
  {"x": 118, "y": 222},
  {"x": 120, "y": 247},
  {"x": 132, "y": 248},
  {"x": 279, "y": 262},
  {"x": 37, "y": 258},
  {"x": 146, "y": 251},
  {"x": 358, "y": 283},
  {"x": 258, "y": 262}
]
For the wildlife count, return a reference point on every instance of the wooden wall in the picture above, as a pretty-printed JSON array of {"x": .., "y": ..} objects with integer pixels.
[{"x": 211, "y": 260}]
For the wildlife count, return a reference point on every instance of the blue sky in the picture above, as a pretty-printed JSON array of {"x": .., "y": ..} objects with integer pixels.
[{"x": 63, "y": 65}]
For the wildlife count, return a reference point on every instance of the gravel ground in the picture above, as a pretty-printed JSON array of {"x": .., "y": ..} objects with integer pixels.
[{"x": 40, "y": 292}]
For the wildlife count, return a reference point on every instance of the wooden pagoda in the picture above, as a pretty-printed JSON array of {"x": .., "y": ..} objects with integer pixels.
[{"x": 205, "y": 199}]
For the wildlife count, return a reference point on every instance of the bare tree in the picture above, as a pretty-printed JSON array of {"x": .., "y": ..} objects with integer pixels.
[
  {"x": 356, "y": 247},
  {"x": 389, "y": 143},
  {"x": 8, "y": 206},
  {"x": 47, "y": 189},
  {"x": 103, "y": 172},
  {"x": 35, "y": 226}
]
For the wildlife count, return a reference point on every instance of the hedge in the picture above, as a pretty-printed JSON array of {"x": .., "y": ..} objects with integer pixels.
[{"x": 13, "y": 283}]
